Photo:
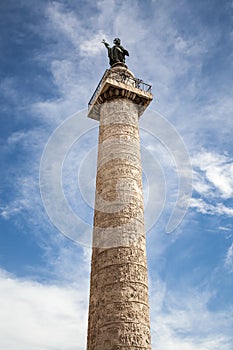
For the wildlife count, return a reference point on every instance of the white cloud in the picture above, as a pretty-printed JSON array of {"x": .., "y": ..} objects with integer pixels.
[
  {"x": 200, "y": 185},
  {"x": 25, "y": 140},
  {"x": 8, "y": 89},
  {"x": 212, "y": 209},
  {"x": 16, "y": 137},
  {"x": 180, "y": 44},
  {"x": 192, "y": 47},
  {"x": 229, "y": 258},
  {"x": 92, "y": 46},
  {"x": 213, "y": 182},
  {"x": 217, "y": 170},
  {"x": 181, "y": 320},
  {"x": 39, "y": 316},
  {"x": 223, "y": 228},
  {"x": 26, "y": 196},
  {"x": 15, "y": 207},
  {"x": 65, "y": 22}
]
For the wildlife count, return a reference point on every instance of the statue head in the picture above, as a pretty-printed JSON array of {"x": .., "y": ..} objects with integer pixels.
[{"x": 117, "y": 41}]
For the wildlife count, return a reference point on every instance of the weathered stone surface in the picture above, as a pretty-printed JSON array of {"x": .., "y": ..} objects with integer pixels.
[{"x": 119, "y": 311}]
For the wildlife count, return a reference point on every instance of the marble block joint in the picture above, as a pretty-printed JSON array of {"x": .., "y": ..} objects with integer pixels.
[{"x": 119, "y": 307}]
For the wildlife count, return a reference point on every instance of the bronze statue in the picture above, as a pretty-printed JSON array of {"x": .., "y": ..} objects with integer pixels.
[{"x": 116, "y": 53}]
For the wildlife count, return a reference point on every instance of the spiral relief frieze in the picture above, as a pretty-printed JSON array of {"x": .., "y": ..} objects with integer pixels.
[{"x": 119, "y": 306}]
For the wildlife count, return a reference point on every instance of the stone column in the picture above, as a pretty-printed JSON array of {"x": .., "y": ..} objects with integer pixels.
[{"x": 119, "y": 307}]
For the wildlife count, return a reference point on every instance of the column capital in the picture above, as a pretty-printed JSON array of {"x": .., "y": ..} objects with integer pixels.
[{"x": 119, "y": 82}]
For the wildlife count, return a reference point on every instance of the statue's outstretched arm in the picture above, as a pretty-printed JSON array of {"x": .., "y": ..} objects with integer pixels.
[{"x": 105, "y": 43}]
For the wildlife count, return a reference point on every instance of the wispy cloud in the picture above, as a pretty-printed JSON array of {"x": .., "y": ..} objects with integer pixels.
[
  {"x": 182, "y": 320},
  {"x": 15, "y": 207},
  {"x": 213, "y": 183},
  {"x": 216, "y": 174},
  {"x": 229, "y": 258},
  {"x": 212, "y": 209}
]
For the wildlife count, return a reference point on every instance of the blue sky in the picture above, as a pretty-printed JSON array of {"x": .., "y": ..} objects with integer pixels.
[{"x": 52, "y": 60}]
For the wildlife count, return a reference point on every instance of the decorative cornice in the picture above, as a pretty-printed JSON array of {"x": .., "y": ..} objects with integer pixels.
[{"x": 119, "y": 83}]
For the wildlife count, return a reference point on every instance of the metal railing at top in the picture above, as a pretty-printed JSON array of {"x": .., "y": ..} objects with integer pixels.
[
  {"x": 121, "y": 77},
  {"x": 98, "y": 88}
]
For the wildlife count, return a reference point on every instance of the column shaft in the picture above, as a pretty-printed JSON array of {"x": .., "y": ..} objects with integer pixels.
[{"x": 119, "y": 307}]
